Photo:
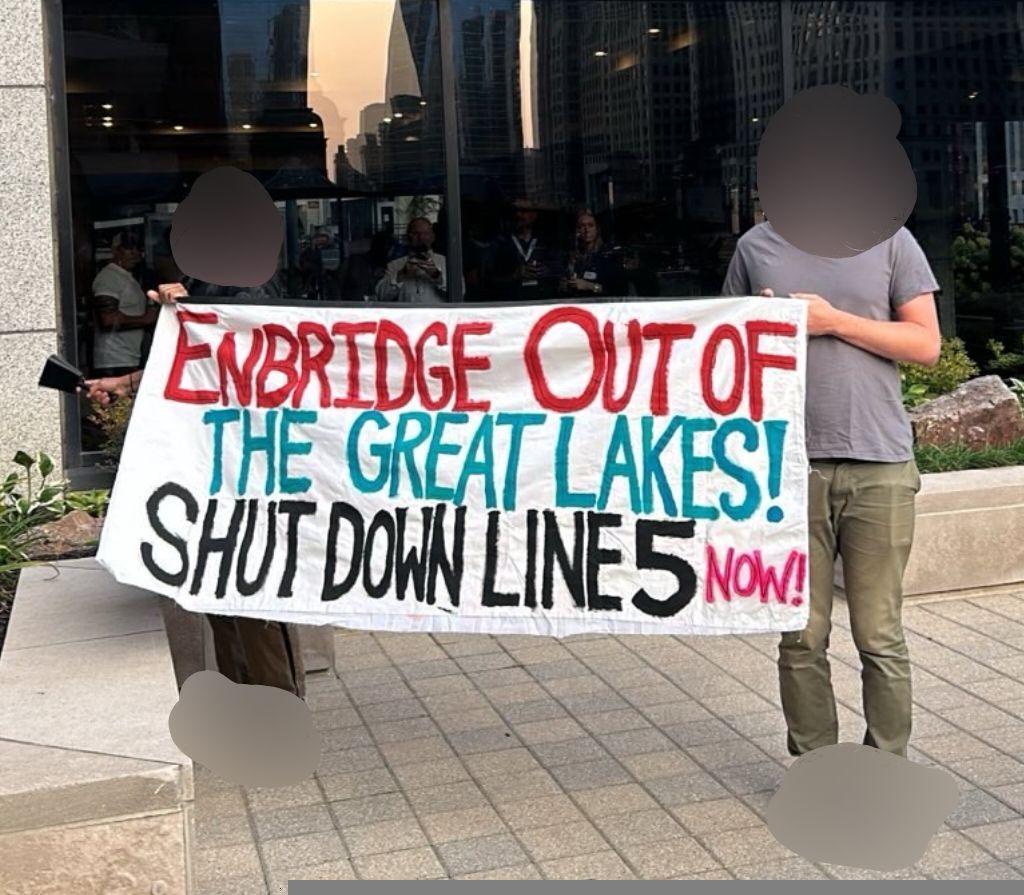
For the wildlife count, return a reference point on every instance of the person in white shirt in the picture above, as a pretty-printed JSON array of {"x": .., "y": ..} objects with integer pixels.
[
  {"x": 121, "y": 311},
  {"x": 420, "y": 276}
]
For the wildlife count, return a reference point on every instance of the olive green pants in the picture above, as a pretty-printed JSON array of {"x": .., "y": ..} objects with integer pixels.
[{"x": 863, "y": 512}]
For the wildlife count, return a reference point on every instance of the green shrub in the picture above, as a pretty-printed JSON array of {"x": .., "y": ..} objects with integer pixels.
[
  {"x": 25, "y": 504},
  {"x": 954, "y": 368},
  {"x": 93, "y": 502},
  {"x": 952, "y": 457},
  {"x": 1004, "y": 361}
]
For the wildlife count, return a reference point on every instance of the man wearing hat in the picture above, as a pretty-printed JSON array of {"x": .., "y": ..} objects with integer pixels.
[{"x": 120, "y": 311}]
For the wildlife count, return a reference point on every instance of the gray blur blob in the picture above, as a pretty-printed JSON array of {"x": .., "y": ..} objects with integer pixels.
[
  {"x": 833, "y": 179},
  {"x": 861, "y": 807},
  {"x": 247, "y": 734},
  {"x": 227, "y": 230}
]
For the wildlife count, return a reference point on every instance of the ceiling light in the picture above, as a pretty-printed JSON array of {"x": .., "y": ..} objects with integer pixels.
[
  {"x": 106, "y": 106},
  {"x": 654, "y": 31},
  {"x": 755, "y": 119},
  {"x": 423, "y": 102},
  {"x": 108, "y": 117},
  {"x": 387, "y": 121},
  {"x": 399, "y": 115},
  {"x": 600, "y": 53},
  {"x": 247, "y": 127},
  {"x": 108, "y": 123},
  {"x": 312, "y": 124},
  {"x": 179, "y": 127}
]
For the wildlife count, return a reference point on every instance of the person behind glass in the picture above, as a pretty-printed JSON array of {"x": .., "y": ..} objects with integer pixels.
[
  {"x": 248, "y": 650},
  {"x": 592, "y": 269},
  {"x": 522, "y": 269},
  {"x": 320, "y": 264},
  {"x": 419, "y": 276},
  {"x": 120, "y": 311}
]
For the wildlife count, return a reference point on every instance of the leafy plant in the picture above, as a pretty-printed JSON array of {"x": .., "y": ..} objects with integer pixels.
[
  {"x": 93, "y": 502},
  {"x": 26, "y": 504},
  {"x": 953, "y": 369},
  {"x": 948, "y": 458},
  {"x": 112, "y": 420},
  {"x": 972, "y": 260},
  {"x": 1004, "y": 361},
  {"x": 1017, "y": 387}
]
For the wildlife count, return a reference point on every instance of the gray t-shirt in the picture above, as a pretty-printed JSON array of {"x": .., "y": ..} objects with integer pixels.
[{"x": 854, "y": 408}]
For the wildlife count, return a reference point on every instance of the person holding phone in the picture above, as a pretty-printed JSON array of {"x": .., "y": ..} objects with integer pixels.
[
  {"x": 419, "y": 276},
  {"x": 592, "y": 269}
]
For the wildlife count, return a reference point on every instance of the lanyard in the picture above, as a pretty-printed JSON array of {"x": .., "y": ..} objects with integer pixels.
[{"x": 526, "y": 256}]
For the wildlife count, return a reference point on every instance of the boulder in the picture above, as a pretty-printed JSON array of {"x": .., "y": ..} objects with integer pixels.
[
  {"x": 72, "y": 535},
  {"x": 980, "y": 413}
]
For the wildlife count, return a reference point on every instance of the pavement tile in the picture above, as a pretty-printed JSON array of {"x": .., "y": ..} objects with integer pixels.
[
  {"x": 400, "y": 731},
  {"x": 551, "y": 730},
  {"x": 516, "y": 693},
  {"x": 433, "y": 748},
  {"x": 655, "y": 765},
  {"x": 584, "y": 748},
  {"x": 697, "y": 733},
  {"x": 239, "y": 885},
  {"x": 684, "y": 789},
  {"x": 614, "y": 722},
  {"x": 527, "y": 785},
  {"x": 1013, "y": 795},
  {"x": 474, "y": 719},
  {"x": 553, "y": 671},
  {"x": 370, "y": 809},
  {"x": 447, "y": 797},
  {"x": 329, "y": 870},
  {"x": 412, "y": 863},
  {"x": 652, "y": 825},
  {"x": 999, "y": 770},
  {"x": 617, "y": 799},
  {"x": 340, "y": 738},
  {"x": 519, "y": 871},
  {"x": 363, "y": 758},
  {"x": 977, "y": 807},
  {"x": 1009, "y": 739},
  {"x": 737, "y": 704},
  {"x": 384, "y": 836},
  {"x": 562, "y": 841},
  {"x": 750, "y": 845},
  {"x": 229, "y": 829},
  {"x": 535, "y": 710},
  {"x": 954, "y": 746},
  {"x": 501, "y": 764},
  {"x": 990, "y": 870},
  {"x": 471, "y": 645},
  {"x": 1005, "y": 840},
  {"x": 486, "y": 662},
  {"x": 464, "y": 823},
  {"x": 421, "y": 671},
  {"x": 500, "y": 678},
  {"x": 335, "y": 718},
  {"x": 396, "y": 710},
  {"x": 977, "y": 718},
  {"x": 305, "y": 793},
  {"x": 358, "y": 784},
  {"x": 787, "y": 868},
  {"x": 651, "y": 695},
  {"x": 298, "y": 851},
  {"x": 661, "y": 860},
  {"x": 585, "y": 703},
  {"x": 433, "y": 773},
  {"x": 326, "y": 703},
  {"x": 590, "y": 774},
  {"x": 747, "y": 778},
  {"x": 280, "y": 823},
  {"x": 577, "y": 686},
  {"x": 763, "y": 724},
  {"x": 481, "y": 853},
  {"x": 951, "y": 849},
  {"x": 726, "y": 753},
  {"x": 700, "y": 818},
  {"x": 485, "y": 739},
  {"x": 636, "y": 742},
  {"x": 545, "y": 811},
  {"x": 449, "y": 684},
  {"x": 215, "y": 865},
  {"x": 376, "y": 694},
  {"x": 600, "y": 865}
]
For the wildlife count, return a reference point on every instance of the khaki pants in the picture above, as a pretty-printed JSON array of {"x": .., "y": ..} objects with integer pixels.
[
  {"x": 863, "y": 512},
  {"x": 254, "y": 651}
]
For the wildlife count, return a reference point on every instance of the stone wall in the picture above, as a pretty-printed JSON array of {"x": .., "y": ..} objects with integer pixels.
[{"x": 28, "y": 249}]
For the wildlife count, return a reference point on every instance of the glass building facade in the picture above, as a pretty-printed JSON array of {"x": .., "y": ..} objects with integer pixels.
[{"x": 498, "y": 118}]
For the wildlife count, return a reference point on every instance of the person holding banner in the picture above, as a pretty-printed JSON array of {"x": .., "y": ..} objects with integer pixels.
[
  {"x": 865, "y": 313},
  {"x": 248, "y": 650}
]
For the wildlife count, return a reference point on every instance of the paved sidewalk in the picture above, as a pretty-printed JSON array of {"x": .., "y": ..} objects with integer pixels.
[{"x": 596, "y": 757}]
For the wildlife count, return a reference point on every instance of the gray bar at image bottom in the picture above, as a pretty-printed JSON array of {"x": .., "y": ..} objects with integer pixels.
[{"x": 674, "y": 887}]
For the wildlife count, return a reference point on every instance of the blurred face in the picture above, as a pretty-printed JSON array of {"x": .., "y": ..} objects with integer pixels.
[
  {"x": 421, "y": 235},
  {"x": 127, "y": 256},
  {"x": 525, "y": 217},
  {"x": 321, "y": 240},
  {"x": 586, "y": 229}
]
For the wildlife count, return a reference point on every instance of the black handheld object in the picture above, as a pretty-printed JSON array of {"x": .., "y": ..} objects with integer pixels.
[{"x": 60, "y": 375}]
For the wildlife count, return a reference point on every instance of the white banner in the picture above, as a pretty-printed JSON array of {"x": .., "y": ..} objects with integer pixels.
[{"x": 626, "y": 467}]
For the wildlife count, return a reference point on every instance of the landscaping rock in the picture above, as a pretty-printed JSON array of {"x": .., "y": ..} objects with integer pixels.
[
  {"x": 73, "y": 535},
  {"x": 980, "y": 413}
]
